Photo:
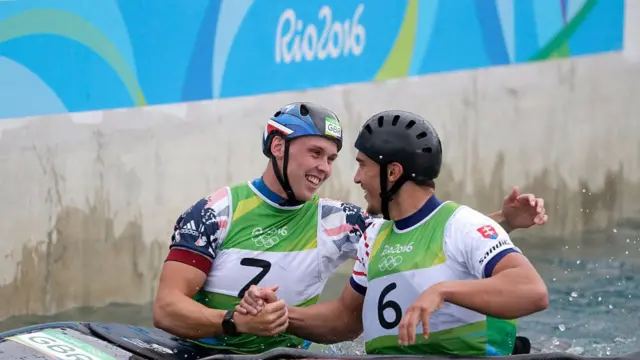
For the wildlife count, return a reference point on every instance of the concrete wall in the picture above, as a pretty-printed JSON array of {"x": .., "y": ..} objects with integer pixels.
[{"x": 89, "y": 199}]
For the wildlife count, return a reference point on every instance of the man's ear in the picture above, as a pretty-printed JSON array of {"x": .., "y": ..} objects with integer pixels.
[
  {"x": 277, "y": 147},
  {"x": 394, "y": 170}
]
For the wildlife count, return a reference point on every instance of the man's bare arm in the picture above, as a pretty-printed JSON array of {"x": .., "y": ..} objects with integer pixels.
[
  {"x": 329, "y": 322},
  {"x": 174, "y": 309},
  {"x": 177, "y": 313},
  {"x": 514, "y": 290},
  {"x": 498, "y": 217}
]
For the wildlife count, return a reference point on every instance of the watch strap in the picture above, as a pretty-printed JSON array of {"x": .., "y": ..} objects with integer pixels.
[{"x": 228, "y": 325}]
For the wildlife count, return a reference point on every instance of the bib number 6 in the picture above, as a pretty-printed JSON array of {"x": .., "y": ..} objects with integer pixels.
[{"x": 388, "y": 304}]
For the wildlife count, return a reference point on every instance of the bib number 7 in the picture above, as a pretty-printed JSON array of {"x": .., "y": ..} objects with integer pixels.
[
  {"x": 388, "y": 304},
  {"x": 264, "y": 266}
]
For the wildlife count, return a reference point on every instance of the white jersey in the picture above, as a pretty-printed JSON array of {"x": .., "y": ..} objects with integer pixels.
[
  {"x": 239, "y": 236},
  {"x": 394, "y": 266}
]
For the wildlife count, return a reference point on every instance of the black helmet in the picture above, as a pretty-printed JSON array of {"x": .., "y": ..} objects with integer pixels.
[
  {"x": 402, "y": 137},
  {"x": 293, "y": 121}
]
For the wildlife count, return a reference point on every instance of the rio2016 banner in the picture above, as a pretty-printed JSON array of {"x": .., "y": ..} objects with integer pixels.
[{"x": 60, "y": 56}]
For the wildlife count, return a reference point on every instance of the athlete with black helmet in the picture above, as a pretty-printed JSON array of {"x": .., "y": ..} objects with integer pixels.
[
  {"x": 271, "y": 230},
  {"x": 445, "y": 265}
]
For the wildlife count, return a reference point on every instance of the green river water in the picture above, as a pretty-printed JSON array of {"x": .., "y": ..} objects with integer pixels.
[{"x": 594, "y": 298}]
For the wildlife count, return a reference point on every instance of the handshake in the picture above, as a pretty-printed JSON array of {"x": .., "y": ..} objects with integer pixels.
[{"x": 261, "y": 313}]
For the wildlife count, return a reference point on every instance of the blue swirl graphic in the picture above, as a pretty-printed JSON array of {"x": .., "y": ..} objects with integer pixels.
[{"x": 67, "y": 56}]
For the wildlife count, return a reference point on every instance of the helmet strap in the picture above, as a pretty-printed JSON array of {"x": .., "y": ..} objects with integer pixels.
[
  {"x": 283, "y": 178},
  {"x": 386, "y": 195}
]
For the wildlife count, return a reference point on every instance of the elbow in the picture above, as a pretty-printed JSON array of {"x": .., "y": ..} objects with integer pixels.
[
  {"x": 161, "y": 316},
  {"x": 158, "y": 316},
  {"x": 342, "y": 336},
  {"x": 354, "y": 332},
  {"x": 346, "y": 332},
  {"x": 352, "y": 329},
  {"x": 540, "y": 298},
  {"x": 349, "y": 330},
  {"x": 534, "y": 293},
  {"x": 537, "y": 298}
]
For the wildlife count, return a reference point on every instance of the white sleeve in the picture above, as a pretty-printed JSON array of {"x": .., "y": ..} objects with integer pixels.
[
  {"x": 476, "y": 242},
  {"x": 358, "y": 279}
]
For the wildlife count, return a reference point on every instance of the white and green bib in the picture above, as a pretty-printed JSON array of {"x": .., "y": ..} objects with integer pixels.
[
  {"x": 264, "y": 244},
  {"x": 401, "y": 265}
]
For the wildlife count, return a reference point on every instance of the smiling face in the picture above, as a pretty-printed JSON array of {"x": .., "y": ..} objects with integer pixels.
[
  {"x": 310, "y": 163},
  {"x": 368, "y": 177}
]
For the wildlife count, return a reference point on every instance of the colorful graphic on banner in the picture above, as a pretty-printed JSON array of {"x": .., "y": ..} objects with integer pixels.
[{"x": 64, "y": 56}]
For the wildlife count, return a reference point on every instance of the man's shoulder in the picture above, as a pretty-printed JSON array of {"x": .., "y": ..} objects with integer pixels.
[
  {"x": 342, "y": 223},
  {"x": 217, "y": 202},
  {"x": 201, "y": 228},
  {"x": 467, "y": 220},
  {"x": 377, "y": 226},
  {"x": 344, "y": 205},
  {"x": 344, "y": 212},
  {"x": 464, "y": 214}
]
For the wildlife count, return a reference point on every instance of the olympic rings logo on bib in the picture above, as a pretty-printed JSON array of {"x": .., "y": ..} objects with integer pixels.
[
  {"x": 268, "y": 238},
  {"x": 390, "y": 262}
]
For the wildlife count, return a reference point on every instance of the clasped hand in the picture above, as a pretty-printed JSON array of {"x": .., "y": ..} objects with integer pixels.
[
  {"x": 271, "y": 315},
  {"x": 265, "y": 314}
]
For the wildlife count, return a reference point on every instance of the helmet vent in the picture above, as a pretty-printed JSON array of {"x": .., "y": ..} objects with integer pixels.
[
  {"x": 395, "y": 120},
  {"x": 422, "y": 135},
  {"x": 304, "y": 110},
  {"x": 277, "y": 113},
  {"x": 410, "y": 124},
  {"x": 368, "y": 129},
  {"x": 380, "y": 121},
  {"x": 427, "y": 149}
]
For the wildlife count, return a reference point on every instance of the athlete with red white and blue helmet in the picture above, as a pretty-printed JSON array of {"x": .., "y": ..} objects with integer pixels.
[
  {"x": 314, "y": 123},
  {"x": 272, "y": 229}
]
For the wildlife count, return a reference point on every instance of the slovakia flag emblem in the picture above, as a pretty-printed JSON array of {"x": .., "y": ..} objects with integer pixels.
[{"x": 487, "y": 232}]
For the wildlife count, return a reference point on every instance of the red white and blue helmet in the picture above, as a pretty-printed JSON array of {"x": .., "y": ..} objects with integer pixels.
[
  {"x": 302, "y": 119},
  {"x": 293, "y": 121}
]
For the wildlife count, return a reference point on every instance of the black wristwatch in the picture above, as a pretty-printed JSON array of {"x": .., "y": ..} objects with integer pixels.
[{"x": 228, "y": 325}]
